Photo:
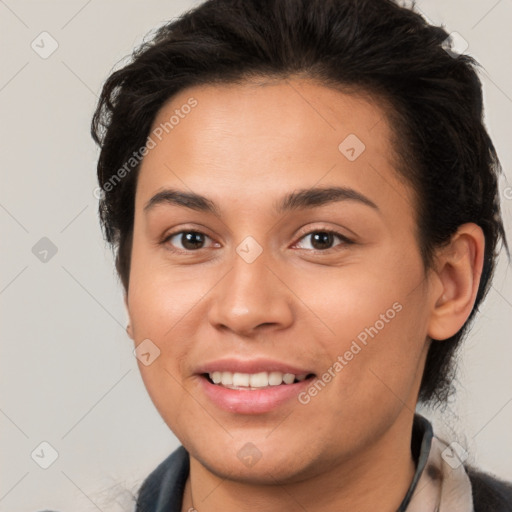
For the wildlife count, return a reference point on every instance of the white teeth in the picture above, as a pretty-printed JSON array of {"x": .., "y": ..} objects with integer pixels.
[
  {"x": 258, "y": 380},
  {"x": 227, "y": 378},
  {"x": 241, "y": 379},
  {"x": 288, "y": 378},
  {"x": 275, "y": 378},
  {"x": 254, "y": 380}
]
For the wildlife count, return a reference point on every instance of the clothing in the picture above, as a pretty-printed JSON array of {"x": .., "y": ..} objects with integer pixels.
[{"x": 441, "y": 482}]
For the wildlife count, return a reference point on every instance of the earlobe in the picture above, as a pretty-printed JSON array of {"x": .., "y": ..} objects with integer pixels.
[
  {"x": 458, "y": 270},
  {"x": 129, "y": 325}
]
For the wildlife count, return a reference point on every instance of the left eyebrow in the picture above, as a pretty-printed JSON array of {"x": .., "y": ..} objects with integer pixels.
[
  {"x": 297, "y": 200},
  {"x": 320, "y": 196}
]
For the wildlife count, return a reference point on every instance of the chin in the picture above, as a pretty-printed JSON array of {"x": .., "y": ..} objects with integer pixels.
[{"x": 277, "y": 469}]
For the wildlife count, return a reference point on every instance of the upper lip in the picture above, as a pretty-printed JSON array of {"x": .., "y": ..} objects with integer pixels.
[{"x": 251, "y": 366}]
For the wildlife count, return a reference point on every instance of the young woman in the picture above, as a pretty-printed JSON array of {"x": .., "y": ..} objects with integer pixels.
[{"x": 303, "y": 202}]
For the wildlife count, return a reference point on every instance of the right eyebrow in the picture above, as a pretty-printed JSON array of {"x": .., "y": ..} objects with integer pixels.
[{"x": 181, "y": 198}]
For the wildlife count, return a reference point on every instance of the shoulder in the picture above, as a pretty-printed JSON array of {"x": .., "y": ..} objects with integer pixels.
[
  {"x": 490, "y": 494},
  {"x": 163, "y": 488}
]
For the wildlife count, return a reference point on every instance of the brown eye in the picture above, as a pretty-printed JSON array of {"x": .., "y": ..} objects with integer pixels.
[
  {"x": 189, "y": 240},
  {"x": 322, "y": 240}
]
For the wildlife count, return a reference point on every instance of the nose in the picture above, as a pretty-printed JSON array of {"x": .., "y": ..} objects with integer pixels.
[{"x": 251, "y": 297}]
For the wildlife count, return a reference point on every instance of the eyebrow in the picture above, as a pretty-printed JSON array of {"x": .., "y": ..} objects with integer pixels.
[{"x": 297, "y": 200}]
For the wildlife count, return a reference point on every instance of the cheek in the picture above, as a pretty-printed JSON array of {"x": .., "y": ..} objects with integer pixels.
[
  {"x": 160, "y": 295},
  {"x": 375, "y": 320},
  {"x": 159, "y": 313},
  {"x": 345, "y": 301},
  {"x": 158, "y": 306}
]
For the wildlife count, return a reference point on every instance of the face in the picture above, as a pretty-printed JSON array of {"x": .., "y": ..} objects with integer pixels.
[{"x": 327, "y": 286}]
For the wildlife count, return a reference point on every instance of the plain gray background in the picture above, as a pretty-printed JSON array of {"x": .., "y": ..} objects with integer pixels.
[{"x": 68, "y": 374}]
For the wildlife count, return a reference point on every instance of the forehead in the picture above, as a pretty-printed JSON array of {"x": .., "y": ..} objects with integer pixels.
[{"x": 276, "y": 135}]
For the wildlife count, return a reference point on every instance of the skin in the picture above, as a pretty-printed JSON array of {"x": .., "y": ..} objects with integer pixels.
[{"x": 245, "y": 146}]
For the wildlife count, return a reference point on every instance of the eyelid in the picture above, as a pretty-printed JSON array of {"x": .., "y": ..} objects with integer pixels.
[
  {"x": 324, "y": 229},
  {"x": 306, "y": 232},
  {"x": 185, "y": 229}
]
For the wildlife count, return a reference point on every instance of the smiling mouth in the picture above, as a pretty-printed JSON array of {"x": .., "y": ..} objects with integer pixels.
[{"x": 254, "y": 381}]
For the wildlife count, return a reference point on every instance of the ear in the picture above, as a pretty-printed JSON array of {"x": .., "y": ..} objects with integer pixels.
[
  {"x": 458, "y": 269},
  {"x": 129, "y": 330}
]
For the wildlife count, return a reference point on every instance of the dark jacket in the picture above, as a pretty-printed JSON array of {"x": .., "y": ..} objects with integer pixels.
[{"x": 490, "y": 494}]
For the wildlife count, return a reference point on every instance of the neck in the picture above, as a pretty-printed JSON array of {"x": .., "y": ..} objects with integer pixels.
[{"x": 376, "y": 478}]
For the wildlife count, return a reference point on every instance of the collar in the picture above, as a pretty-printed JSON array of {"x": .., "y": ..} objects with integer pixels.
[
  {"x": 441, "y": 481},
  {"x": 421, "y": 442}
]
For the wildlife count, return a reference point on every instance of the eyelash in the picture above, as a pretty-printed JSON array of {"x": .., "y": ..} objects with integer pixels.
[{"x": 344, "y": 239}]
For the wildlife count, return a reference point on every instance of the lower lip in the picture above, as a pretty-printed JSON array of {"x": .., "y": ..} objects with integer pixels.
[{"x": 250, "y": 401}]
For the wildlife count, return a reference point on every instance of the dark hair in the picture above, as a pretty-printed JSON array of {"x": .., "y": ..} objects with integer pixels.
[{"x": 374, "y": 47}]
